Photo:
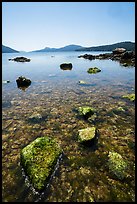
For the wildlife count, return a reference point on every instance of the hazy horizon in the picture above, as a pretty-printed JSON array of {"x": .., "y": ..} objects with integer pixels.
[{"x": 36, "y": 25}]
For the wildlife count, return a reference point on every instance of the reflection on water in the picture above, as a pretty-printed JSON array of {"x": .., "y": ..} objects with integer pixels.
[{"x": 82, "y": 174}]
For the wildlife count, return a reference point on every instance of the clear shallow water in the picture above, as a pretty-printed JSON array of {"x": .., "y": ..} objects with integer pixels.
[{"x": 55, "y": 94}]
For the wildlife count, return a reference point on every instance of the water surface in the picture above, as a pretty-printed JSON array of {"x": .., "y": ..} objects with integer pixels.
[{"x": 82, "y": 173}]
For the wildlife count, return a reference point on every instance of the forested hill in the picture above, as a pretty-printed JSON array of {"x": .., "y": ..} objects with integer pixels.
[
  {"x": 6, "y": 49},
  {"x": 130, "y": 46}
]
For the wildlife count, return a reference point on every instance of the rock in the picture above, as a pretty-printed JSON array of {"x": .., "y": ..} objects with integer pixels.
[
  {"x": 93, "y": 70},
  {"x": 20, "y": 59},
  {"x": 35, "y": 118},
  {"x": 82, "y": 82},
  {"x": 119, "y": 50},
  {"x": 131, "y": 97},
  {"x": 66, "y": 66},
  {"x": 6, "y": 82},
  {"x": 86, "y": 56},
  {"x": 39, "y": 159},
  {"x": 86, "y": 111},
  {"x": 117, "y": 165},
  {"x": 23, "y": 82},
  {"x": 87, "y": 134},
  {"x": 127, "y": 55}
]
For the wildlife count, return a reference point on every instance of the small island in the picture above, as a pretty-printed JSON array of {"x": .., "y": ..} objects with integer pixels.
[{"x": 20, "y": 59}]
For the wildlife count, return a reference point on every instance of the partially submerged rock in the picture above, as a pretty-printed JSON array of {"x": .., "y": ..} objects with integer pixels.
[
  {"x": 39, "y": 159},
  {"x": 87, "y": 135},
  {"x": 117, "y": 165},
  {"x": 93, "y": 70},
  {"x": 6, "y": 81},
  {"x": 86, "y": 111},
  {"x": 82, "y": 82},
  {"x": 131, "y": 97},
  {"x": 23, "y": 82},
  {"x": 66, "y": 66},
  {"x": 20, "y": 59}
]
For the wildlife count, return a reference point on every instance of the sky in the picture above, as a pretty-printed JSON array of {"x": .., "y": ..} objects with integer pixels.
[{"x": 28, "y": 26}]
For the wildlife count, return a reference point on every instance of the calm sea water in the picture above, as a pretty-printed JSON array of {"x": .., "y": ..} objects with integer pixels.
[{"x": 55, "y": 94}]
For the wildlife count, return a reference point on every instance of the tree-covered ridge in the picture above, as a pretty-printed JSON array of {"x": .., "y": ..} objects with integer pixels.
[{"x": 130, "y": 46}]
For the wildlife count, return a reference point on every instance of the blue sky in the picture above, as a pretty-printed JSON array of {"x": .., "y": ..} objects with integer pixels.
[{"x": 34, "y": 25}]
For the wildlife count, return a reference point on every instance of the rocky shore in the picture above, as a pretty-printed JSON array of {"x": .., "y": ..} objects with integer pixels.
[{"x": 126, "y": 58}]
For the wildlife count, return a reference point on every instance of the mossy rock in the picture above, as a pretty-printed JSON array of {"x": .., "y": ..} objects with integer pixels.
[
  {"x": 131, "y": 97},
  {"x": 86, "y": 111},
  {"x": 86, "y": 134},
  {"x": 117, "y": 165},
  {"x": 39, "y": 159},
  {"x": 93, "y": 70}
]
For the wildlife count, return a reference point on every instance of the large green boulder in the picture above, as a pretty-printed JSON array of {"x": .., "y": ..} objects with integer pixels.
[
  {"x": 93, "y": 70},
  {"x": 117, "y": 165},
  {"x": 39, "y": 159},
  {"x": 131, "y": 97},
  {"x": 86, "y": 111},
  {"x": 87, "y": 135}
]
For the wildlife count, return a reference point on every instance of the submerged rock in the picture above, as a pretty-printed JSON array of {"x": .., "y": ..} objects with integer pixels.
[
  {"x": 39, "y": 159},
  {"x": 20, "y": 59},
  {"x": 131, "y": 97},
  {"x": 23, "y": 82},
  {"x": 87, "y": 135},
  {"x": 93, "y": 70},
  {"x": 66, "y": 66},
  {"x": 86, "y": 111},
  {"x": 117, "y": 165},
  {"x": 36, "y": 117}
]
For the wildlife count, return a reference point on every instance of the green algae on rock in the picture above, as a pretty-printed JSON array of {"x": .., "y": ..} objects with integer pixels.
[
  {"x": 39, "y": 159},
  {"x": 93, "y": 70},
  {"x": 87, "y": 134},
  {"x": 117, "y": 165},
  {"x": 86, "y": 111},
  {"x": 131, "y": 97}
]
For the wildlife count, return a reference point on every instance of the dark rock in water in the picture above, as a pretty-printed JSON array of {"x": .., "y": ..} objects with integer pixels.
[
  {"x": 93, "y": 70},
  {"x": 86, "y": 56},
  {"x": 66, "y": 66},
  {"x": 39, "y": 160},
  {"x": 20, "y": 59},
  {"x": 23, "y": 82}
]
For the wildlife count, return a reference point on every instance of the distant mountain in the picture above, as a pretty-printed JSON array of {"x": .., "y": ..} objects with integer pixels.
[
  {"x": 130, "y": 46},
  {"x": 66, "y": 48},
  {"x": 6, "y": 49}
]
